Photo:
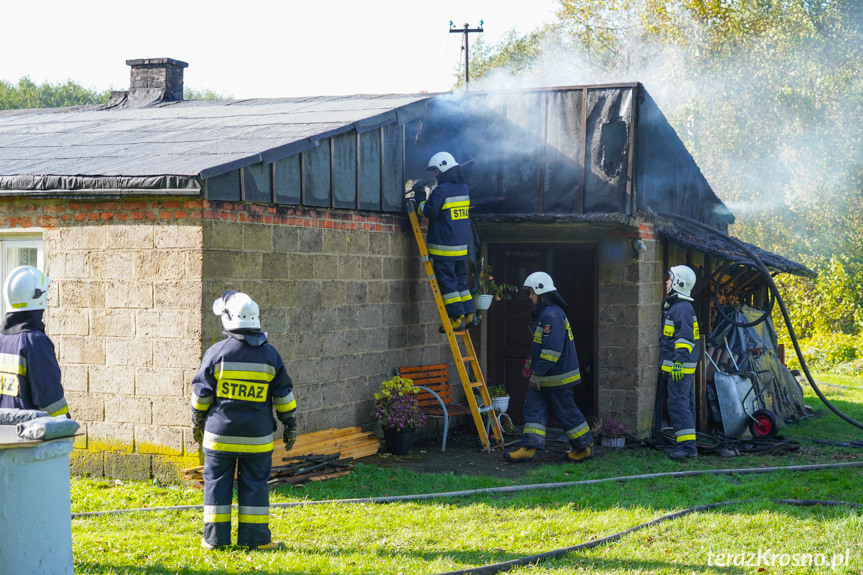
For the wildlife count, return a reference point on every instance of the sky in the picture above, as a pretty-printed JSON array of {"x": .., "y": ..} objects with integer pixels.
[{"x": 257, "y": 49}]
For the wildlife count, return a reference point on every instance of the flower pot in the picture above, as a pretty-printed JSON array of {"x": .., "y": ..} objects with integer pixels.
[
  {"x": 398, "y": 441},
  {"x": 500, "y": 403},
  {"x": 613, "y": 442},
  {"x": 483, "y": 301}
]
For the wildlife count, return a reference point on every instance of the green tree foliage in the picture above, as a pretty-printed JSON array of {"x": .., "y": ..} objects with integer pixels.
[
  {"x": 27, "y": 94},
  {"x": 192, "y": 94}
]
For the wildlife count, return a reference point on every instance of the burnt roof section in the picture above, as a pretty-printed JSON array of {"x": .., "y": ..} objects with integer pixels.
[
  {"x": 172, "y": 146},
  {"x": 719, "y": 247}
]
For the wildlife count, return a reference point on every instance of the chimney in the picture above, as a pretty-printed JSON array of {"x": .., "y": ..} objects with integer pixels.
[{"x": 156, "y": 80}]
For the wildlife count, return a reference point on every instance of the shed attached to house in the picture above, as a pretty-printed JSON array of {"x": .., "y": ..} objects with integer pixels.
[{"x": 144, "y": 210}]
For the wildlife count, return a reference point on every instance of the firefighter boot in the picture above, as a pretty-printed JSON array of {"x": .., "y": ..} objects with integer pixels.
[
  {"x": 521, "y": 454},
  {"x": 580, "y": 455},
  {"x": 208, "y": 546},
  {"x": 471, "y": 320},
  {"x": 457, "y": 324},
  {"x": 271, "y": 546},
  {"x": 683, "y": 450}
]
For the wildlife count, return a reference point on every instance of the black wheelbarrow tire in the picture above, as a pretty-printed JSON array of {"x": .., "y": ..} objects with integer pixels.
[{"x": 764, "y": 423}]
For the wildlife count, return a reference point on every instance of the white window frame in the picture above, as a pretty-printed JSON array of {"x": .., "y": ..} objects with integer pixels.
[{"x": 8, "y": 241}]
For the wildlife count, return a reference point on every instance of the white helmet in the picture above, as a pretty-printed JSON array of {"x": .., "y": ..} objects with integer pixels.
[
  {"x": 26, "y": 289},
  {"x": 540, "y": 282},
  {"x": 442, "y": 161},
  {"x": 682, "y": 279},
  {"x": 238, "y": 311}
]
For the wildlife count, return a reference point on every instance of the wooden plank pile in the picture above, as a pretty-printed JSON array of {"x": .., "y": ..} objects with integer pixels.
[{"x": 315, "y": 456}]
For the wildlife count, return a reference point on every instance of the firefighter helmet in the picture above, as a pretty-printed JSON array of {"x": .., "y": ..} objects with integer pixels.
[
  {"x": 682, "y": 279},
  {"x": 442, "y": 161},
  {"x": 540, "y": 283},
  {"x": 26, "y": 289},
  {"x": 238, "y": 311}
]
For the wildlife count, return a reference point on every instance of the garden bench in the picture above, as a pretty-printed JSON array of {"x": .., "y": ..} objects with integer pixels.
[{"x": 436, "y": 395}]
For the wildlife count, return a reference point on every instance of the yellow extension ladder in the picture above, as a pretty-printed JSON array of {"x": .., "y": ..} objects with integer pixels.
[{"x": 461, "y": 358}]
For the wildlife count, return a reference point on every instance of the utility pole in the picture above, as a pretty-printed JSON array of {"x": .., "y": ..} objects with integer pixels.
[{"x": 466, "y": 30}]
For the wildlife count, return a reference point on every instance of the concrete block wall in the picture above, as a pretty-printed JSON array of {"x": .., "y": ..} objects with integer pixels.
[
  {"x": 629, "y": 316},
  {"x": 343, "y": 298}
]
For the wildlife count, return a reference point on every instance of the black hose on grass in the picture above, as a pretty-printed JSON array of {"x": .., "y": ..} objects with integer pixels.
[
  {"x": 504, "y": 489},
  {"x": 774, "y": 290},
  {"x": 558, "y": 553}
]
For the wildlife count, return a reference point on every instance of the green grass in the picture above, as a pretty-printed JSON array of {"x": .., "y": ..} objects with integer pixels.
[{"x": 440, "y": 535}]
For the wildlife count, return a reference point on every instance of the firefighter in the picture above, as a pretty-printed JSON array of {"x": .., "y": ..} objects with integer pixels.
[
  {"x": 29, "y": 372},
  {"x": 241, "y": 379},
  {"x": 678, "y": 350},
  {"x": 447, "y": 208},
  {"x": 553, "y": 372}
]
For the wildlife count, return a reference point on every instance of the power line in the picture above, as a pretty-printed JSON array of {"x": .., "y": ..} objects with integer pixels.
[{"x": 465, "y": 31}]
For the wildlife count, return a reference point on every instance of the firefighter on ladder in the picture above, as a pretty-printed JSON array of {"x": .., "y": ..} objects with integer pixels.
[
  {"x": 678, "y": 350},
  {"x": 29, "y": 372},
  {"x": 241, "y": 379},
  {"x": 553, "y": 371},
  {"x": 447, "y": 209}
]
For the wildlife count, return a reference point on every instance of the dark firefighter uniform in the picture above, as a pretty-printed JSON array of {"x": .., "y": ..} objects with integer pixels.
[
  {"x": 447, "y": 209},
  {"x": 678, "y": 344},
  {"x": 240, "y": 380},
  {"x": 555, "y": 363},
  {"x": 29, "y": 372}
]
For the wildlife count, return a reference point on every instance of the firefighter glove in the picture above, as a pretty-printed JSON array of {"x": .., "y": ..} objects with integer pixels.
[
  {"x": 677, "y": 371},
  {"x": 290, "y": 437},
  {"x": 419, "y": 191},
  {"x": 526, "y": 371},
  {"x": 199, "y": 418},
  {"x": 533, "y": 382}
]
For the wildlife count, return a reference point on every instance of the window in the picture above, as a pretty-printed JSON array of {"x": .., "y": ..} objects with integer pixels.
[{"x": 17, "y": 251}]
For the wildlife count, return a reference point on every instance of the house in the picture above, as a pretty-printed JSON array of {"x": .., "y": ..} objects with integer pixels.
[{"x": 144, "y": 210}]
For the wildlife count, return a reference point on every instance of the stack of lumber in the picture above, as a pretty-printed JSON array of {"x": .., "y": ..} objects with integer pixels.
[{"x": 324, "y": 454}]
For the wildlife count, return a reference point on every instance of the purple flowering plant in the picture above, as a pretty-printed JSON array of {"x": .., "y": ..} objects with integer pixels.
[{"x": 397, "y": 405}]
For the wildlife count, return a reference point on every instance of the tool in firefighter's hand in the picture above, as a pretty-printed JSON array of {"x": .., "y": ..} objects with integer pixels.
[
  {"x": 416, "y": 189},
  {"x": 527, "y": 370},
  {"x": 677, "y": 371},
  {"x": 533, "y": 382}
]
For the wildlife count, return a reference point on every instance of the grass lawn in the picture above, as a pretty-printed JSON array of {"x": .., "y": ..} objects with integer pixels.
[{"x": 455, "y": 533}]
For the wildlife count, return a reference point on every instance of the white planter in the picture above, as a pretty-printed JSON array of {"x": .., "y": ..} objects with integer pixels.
[
  {"x": 483, "y": 301},
  {"x": 500, "y": 403},
  {"x": 613, "y": 442}
]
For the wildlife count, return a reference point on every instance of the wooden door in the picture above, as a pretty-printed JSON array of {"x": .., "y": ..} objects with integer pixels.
[{"x": 510, "y": 324}]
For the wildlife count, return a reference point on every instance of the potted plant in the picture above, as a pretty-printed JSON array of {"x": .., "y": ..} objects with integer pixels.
[
  {"x": 612, "y": 433},
  {"x": 499, "y": 397},
  {"x": 398, "y": 411},
  {"x": 491, "y": 290}
]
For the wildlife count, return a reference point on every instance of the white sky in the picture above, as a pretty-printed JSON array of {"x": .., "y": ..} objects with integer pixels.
[{"x": 257, "y": 49}]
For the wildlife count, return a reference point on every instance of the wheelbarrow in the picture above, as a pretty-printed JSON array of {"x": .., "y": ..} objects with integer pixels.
[{"x": 742, "y": 404}]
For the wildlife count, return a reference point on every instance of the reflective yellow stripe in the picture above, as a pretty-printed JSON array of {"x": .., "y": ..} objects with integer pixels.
[
  {"x": 13, "y": 363},
  {"x": 560, "y": 379},
  {"x": 685, "y": 437},
  {"x": 578, "y": 431},
  {"x": 236, "y": 444},
  {"x": 550, "y": 355},
  {"x": 534, "y": 428},
  {"x": 217, "y": 513}
]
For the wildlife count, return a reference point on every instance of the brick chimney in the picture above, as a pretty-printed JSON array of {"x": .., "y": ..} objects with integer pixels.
[{"x": 156, "y": 80}]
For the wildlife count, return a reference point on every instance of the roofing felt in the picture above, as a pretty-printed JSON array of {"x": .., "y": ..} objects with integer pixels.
[
  {"x": 718, "y": 246},
  {"x": 196, "y": 139}
]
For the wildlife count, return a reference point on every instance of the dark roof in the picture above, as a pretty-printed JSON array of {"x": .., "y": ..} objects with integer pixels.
[
  {"x": 719, "y": 247},
  {"x": 102, "y": 147}
]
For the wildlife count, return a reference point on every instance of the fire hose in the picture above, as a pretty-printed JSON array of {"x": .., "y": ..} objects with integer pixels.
[{"x": 759, "y": 265}]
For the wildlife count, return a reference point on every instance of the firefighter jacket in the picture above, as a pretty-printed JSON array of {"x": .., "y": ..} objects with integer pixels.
[
  {"x": 29, "y": 372},
  {"x": 679, "y": 339},
  {"x": 240, "y": 380},
  {"x": 447, "y": 209},
  {"x": 552, "y": 353}
]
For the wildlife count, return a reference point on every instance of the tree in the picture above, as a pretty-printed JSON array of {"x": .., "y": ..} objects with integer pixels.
[{"x": 26, "y": 94}]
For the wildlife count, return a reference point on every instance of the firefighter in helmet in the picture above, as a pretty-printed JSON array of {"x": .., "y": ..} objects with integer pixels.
[
  {"x": 678, "y": 353},
  {"x": 29, "y": 372},
  {"x": 241, "y": 380},
  {"x": 447, "y": 209},
  {"x": 553, "y": 371}
]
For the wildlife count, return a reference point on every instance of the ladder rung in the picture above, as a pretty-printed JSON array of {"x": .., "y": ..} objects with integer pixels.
[
  {"x": 476, "y": 384},
  {"x": 468, "y": 359}
]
